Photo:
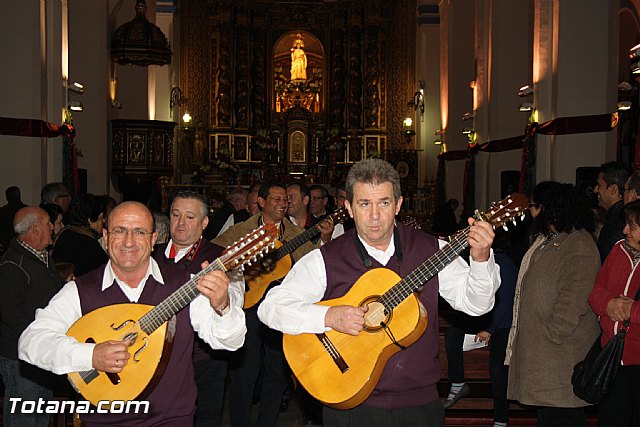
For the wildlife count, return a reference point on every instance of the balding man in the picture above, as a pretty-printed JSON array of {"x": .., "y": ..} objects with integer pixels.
[
  {"x": 28, "y": 279},
  {"x": 131, "y": 275}
]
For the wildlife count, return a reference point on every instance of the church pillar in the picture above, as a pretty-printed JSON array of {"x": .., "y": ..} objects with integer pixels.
[
  {"x": 504, "y": 31},
  {"x": 582, "y": 83}
]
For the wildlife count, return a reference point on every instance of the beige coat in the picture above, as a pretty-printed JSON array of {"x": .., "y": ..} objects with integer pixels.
[{"x": 555, "y": 325}]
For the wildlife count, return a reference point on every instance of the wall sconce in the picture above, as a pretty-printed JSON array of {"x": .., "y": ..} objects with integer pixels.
[
  {"x": 525, "y": 106},
  {"x": 634, "y": 55},
  {"x": 407, "y": 129},
  {"x": 624, "y": 105},
  {"x": 74, "y": 87},
  {"x": 467, "y": 131},
  {"x": 178, "y": 99},
  {"x": 75, "y": 106},
  {"x": 437, "y": 141},
  {"x": 525, "y": 90},
  {"x": 417, "y": 102},
  {"x": 624, "y": 86}
]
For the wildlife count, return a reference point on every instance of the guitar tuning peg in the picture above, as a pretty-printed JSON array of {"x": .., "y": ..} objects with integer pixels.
[
  {"x": 248, "y": 263},
  {"x": 505, "y": 228}
]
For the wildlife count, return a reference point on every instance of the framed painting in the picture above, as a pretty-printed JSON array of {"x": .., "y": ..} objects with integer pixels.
[
  {"x": 223, "y": 146},
  {"x": 372, "y": 147},
  {"x": 354, "y": 150},
  {"x": 241, "y": 148}
]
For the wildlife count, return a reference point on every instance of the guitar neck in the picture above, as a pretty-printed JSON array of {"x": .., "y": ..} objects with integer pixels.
[
  {"x": 296, "y": 242},
  {"x": 177, "y": 300},
  {"x": 425, "y": 271}
]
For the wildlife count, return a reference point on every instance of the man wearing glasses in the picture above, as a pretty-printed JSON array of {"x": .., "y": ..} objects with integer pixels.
[
  {"x": 56, "y": 192},
  {"x": 263, "y": 346},
  {"x": 131, "y": 275}
]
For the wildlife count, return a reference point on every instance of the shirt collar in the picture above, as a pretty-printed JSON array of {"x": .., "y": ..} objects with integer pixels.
[
  {"x": 42, "y": 255},
  {"x": 381, "y": 256},
  {"x": 181, "y": 253},
  {"x": 153, "y": 270}
]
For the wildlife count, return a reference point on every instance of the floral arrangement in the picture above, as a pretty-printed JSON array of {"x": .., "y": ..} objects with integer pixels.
[
  {"x": 306, "y": 86},
  {"x": 264, "y": 143}
]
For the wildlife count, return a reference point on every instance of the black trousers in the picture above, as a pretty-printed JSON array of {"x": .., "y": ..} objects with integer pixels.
[
  {"x": 262, "y": 348},
  {"x": 621, "y": 408},
  {"x": 429, "y": 415},
  {"x": 211, "y": 375}
]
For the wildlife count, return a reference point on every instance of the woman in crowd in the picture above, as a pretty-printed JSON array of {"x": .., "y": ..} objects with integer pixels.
[
  {"x": 612, "y": 298},
  {"x": 77, "y": 243},
  {"x": 553, "y": 326}
]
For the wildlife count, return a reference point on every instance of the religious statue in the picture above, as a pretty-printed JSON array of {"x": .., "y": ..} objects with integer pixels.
[{"x": 298, "y": 60}]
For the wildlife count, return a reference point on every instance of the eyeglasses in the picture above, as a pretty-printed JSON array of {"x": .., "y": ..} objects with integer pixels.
[
  {"x": 62, "y": 196},
  {"x": 121, "y": 233},
  {"x": 341, "y": 197},
  {"x": 534, "y": 205},
  {"x": 317, "y": 197},
  {"x": 278, "y": 199}
]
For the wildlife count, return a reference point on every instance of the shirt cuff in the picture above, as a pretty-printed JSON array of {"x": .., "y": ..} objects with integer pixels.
[
  {"x": 316, "y": 314},
  {"x": 82, "y": 356},
  {"x": 482, "y": 268}
]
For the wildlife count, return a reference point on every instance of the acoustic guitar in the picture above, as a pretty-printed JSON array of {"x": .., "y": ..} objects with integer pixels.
[
  {"x": 149, "y": 328},
  {"x": 277, "y": 263},
  {"x": 341, "y": 370}
]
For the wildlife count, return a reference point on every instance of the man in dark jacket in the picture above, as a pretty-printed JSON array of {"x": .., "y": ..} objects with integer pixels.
[
  {"x": 610, "y": 190},
  {"x": 29, "y": 280}
]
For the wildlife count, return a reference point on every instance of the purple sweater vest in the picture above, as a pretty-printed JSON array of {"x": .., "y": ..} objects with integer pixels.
[
  {"x": 172, "y": 401},
  {"x": 206, "y": 252},
  {"x": 410, "y": 376}
]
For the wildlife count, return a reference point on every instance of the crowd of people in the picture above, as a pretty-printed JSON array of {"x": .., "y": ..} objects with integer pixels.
[{"x": 538, "y": 311}]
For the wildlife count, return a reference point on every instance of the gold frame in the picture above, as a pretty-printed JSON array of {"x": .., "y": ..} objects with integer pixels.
[
  {"x": 241, "y": 148},
  {"x": 297, "y": 147}
]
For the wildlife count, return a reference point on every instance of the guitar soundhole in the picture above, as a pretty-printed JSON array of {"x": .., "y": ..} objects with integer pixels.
[{"x": 376, "y": 316}]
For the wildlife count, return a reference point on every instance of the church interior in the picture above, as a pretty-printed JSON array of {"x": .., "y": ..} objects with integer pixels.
[{"x": 468, "y": 99}]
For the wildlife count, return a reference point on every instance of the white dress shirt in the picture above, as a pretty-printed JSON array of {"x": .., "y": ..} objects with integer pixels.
[
  {"x": 290, "y": 307},
  {"x": 45, "y": 344}
]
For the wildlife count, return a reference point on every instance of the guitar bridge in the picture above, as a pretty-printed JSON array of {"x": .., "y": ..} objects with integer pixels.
[{"x": 333, "y": 352}]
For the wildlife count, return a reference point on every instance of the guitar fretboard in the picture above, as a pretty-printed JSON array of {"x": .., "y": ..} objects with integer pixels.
[
  {"x": 179, "y": 299},
  {"x": 304, "y": 237},
  {"x": 425, "y": 271}
]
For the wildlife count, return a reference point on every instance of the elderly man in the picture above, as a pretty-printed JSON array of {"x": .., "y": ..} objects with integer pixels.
[
  {"x": 28, "y": 281},
  {"x": 185, "y": 252},
  {"x": 131, "y": 275}
]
